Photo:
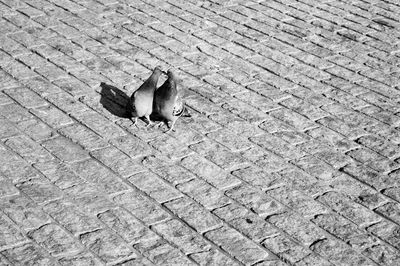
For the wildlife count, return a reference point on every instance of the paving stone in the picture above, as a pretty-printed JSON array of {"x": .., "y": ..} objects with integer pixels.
[
  {"x": 202, "y": 105},
  {"x": 238, "y": 246},
  {"x": 193, "y": 214},
  {"x": 59, "y": 174},
  {"x": 204, "y": 124},
  {"x": 204, "y": 194},
  {"x": 125, "y": 224},
  {"x": 292, "y": 137},
  {"x": 371, "y": 177},
  {"x": 246, "y": 222},
  {"x": 132, "y": 146},
  {"x": 228, "y": 138},
  {"x": 390, "y": 210},
  {"x": 357, "y": 190},
  {"x": 334, "y": 158},
  {"x": 304, "y": 232},
  {"x": 188, "y": 136},
  {"x": 65, "y": 150},
  {"x": 218, "y": 154},
  {"x": 339, "y": 253},
  {"x": 224, "y": 117},
  {"x": 304, "y": 108},
  {"x": 66, "y": 103},
  {"x": 10, "y": 233},
  {"x": 28, "y": 149},
  {"x": 142, "y": 207},
  {"x": 70, "y": 84},
  {"x": 88, "y": 198},
  {"x": 36, "y": 129},
  {"x": 383, "y": 254},
  {"x": 54, "y": 239},
  {"x": 26, "y": 97},
  {"x": 83, "y": 258},
  {"x": 15, "y": 113},
  {"x": 124, "y": 165},
  {"x": 160, "y": 252},
  {"x": 19, "y": 70},
  {"x": 52, "y": 116},
  {"x": 315, "y": 167},
  {"x": 71, "y": 218},
  {"x": 4, "y": 261},
  {"x": 295, "y": 199},
  {"x": 380, "y": 146},
  {"x": 258, "y": 101},
  {"x": 6, "y": 187},
  {"x": 39, "y": 189},
  {"x": 209, "y": 172},
  {"x": 8, "y": 82},
  {"x": 266, "y": 160},
  {"x": 393, "y": 193},
  {"x": 100, "y": 125},
  {"x": 286, "y": 248},
  {"x": 186, "y": 239},
  {"x": 106, "y": 245},
  {"x": 83, "y": 136},
  {"x": 28, "y": 254},
  {"x": 294, "y": 119},
  {"x": 8, "y": 129},
  {"x": 341, "y": 127},
  {"x": 277, "y": 146},
  {"x": 92, "y": 171},
  {"x": 314, "y": 259},
  {"x": 254, "y": 200},
  {"x": 258, "y": 178},
  {"x": 153, "y": 186},
  {"x": 171, "y": 147},
  {"x": 24, "y": 212},
  {"x": 374, "y": 160},
  {"x": 212, "y": 257},
  {"x": 351, "y": 210},
  {"x": 4, "y": 99},
  {"x": 245, "y": 111},
  {"x": 168, "y": 170},
  {"x": 336, "y": 225},
  {"x": 41, "y": 86},
  {"x": 386, "y": 230}
]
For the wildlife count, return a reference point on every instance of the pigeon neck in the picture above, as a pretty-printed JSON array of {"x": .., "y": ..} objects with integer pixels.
[
  {"x": 154, "y": 78},
  {"x": 171, "y": 81}
]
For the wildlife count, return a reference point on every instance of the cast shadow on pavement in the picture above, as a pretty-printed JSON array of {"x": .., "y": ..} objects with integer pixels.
[{"x": 114, "y": 100}]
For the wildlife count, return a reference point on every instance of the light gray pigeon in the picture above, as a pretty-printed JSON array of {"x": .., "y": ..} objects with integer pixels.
[
  {"x": 141, "y": 102},
  {"x": 168, "y": 102}
]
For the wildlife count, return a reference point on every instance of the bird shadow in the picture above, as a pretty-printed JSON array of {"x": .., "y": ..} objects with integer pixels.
[{"x": 114, "y": 100}]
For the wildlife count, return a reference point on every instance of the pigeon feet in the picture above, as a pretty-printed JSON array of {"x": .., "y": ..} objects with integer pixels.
[
  {"x": 159, "y": 124},
  {"x": 171, "y": 128},
  {"x": 150, "y": 123},
  {"x": 134, "y": 123}
]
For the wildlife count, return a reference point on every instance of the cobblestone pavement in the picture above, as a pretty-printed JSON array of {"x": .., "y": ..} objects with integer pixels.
[{"x": 291, "y": 156}]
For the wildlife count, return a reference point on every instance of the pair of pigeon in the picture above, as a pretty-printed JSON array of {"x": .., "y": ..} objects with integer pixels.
[{"x": 165, "y": 101}]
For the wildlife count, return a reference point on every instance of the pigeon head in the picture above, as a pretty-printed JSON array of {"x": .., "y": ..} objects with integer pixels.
[
  {"x": 158, "y": 70},
  {"x": 171, "y": 75}
]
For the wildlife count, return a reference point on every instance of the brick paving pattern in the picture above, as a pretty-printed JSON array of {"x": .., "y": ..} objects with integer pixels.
[{"x": 291, "y": 156}]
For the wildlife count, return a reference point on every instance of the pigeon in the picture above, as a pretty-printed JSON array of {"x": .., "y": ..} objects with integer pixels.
[
  {"x": 140, "y": 103},
  {"x": 168, "y": 102}
]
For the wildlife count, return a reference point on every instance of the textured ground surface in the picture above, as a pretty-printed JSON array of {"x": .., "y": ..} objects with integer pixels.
[{"x": 291, "y": 156}]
